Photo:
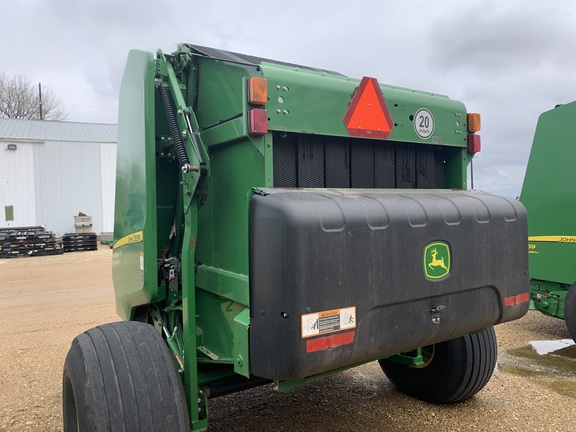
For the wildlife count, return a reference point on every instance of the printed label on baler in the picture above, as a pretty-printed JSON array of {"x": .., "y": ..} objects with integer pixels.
[{"x": 318, "y": 323}]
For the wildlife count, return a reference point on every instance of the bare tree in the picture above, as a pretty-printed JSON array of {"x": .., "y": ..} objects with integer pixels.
[{"x": 20, "y": 99}]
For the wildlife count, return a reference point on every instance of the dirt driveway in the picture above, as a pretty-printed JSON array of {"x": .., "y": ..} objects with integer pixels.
[{"x": 46, "y": 301}]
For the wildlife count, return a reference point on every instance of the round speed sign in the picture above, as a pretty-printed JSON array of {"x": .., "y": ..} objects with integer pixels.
[{"x": 424, "y": 123}]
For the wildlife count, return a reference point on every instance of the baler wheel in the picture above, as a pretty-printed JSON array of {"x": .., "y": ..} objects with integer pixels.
[
  {"x": 570, "y": 311},
  {"x": 122, "y": 376},
  {"x": 459, "y": 369}
]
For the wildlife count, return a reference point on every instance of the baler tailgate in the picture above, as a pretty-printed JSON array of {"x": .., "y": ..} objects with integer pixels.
[{"x": 325, "y": 266}]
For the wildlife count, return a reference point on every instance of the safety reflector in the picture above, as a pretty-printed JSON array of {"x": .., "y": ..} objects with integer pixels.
[
  {"x": 474, "y": 144},
  {"x": 257, "y": 91},
  {"x": 258, "y": 121},
  {"x": 517, "y": 299},
  {"x": 474, "y": 122},
  {"x": 367, "y": 114},
  {"x": 328, "y": 342}
]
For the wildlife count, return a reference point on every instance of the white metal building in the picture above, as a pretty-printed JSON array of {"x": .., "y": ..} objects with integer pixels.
[{"x": 50, "y": 171}]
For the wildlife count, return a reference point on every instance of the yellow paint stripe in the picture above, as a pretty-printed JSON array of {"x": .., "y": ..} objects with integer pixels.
[
  {"x": 135, "y": 237},
  {"x": 553, "y": 239}
]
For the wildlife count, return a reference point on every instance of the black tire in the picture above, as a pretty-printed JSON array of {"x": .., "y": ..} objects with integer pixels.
[
  {"x": 122, "y": 377},
  {"x": 570, "y": 311},
  {"x": 454, "y": 371}
]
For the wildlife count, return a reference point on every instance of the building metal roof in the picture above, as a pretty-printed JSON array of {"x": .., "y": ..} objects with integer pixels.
[{"x": 48, "y": 130}]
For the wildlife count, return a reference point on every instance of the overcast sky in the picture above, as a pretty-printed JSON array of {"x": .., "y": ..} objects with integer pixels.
[{"x": 509, "y": 60}]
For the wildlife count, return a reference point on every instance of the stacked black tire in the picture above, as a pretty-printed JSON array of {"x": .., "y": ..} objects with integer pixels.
[
  {"x": 74, "y": 242},
  {"x": 28, "y": 241}
]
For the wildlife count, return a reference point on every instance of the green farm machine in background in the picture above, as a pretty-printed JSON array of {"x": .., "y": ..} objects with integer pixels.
[
  {"x": 549, "y": 194},
  {"x": 276, "y": 223}
]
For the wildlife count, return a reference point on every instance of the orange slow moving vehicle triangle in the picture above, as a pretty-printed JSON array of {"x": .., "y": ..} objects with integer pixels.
[{"x": 367, "y": 114}]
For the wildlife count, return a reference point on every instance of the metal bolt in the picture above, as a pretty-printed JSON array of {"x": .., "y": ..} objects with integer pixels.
[
  {"x": 437, "y": 309},
  {"x": 187, "y": 168}
]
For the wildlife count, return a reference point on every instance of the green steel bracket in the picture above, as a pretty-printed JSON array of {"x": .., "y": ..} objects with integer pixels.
[
  {"x": 164, "y": 321},
  {"x": 457, "y": 169},
  {"x": 202, "y": 423},
  {"x": 413, "y": 358},
  {"x": 181, "y": 60},
  {"x": 241, "y": 343},
  {"x": 211, "y": 357},
  {"x": 195, "y": 170},
  {"x": 224, "y": 283},
  {"x": 548, "y": 297},
  {"x": 195, "y": 175},
  {"x": 191, "y": 384},
  {"x": 284, "y": 386}
]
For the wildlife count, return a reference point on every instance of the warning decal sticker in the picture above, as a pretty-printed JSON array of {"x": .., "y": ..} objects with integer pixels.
[{"x": 319, "y": 323}]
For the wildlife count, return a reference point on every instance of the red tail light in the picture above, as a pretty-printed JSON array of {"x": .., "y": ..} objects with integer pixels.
[
  {"x": 258, "y": 121},
  {"x": 474, "y": 144}
]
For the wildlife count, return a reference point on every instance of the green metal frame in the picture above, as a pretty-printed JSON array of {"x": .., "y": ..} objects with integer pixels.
[{"x": 548, "y": 297}]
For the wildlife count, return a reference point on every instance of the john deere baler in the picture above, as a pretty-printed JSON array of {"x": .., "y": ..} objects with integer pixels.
[
  {"x": 276, "y": 223},
  {"x": 549, "y": 194}
]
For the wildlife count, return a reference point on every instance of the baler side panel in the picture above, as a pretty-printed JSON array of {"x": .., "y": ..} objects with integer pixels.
[
  {"x": 134, "y": 260},
  {"x": 549, "y": 194},
  {"x": 220, "y": 91},
  {"x": 238, "y": 163}
]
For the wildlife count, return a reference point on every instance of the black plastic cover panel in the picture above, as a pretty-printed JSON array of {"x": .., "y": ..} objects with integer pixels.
[
  {"x": 342, "y": 276},
  {"x": 316, "y": 161},
  {"x": 244, "y": 58}
]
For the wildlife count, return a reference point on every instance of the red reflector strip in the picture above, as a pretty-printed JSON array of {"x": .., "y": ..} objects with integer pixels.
[
  {"x": 329, "y": 341},
  {"x": 517, "y": 299}
]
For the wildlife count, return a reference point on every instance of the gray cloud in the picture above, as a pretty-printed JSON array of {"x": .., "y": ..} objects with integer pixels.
[
  {"x": 502, "y": 39},
  {"x": 510, "y": 60}
]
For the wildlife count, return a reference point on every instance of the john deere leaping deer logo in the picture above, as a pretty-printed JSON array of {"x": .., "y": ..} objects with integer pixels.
[{"x": 437, "y": 260}]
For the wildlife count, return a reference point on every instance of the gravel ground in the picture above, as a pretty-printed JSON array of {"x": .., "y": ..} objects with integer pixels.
[{"x": 46, "y": 301}]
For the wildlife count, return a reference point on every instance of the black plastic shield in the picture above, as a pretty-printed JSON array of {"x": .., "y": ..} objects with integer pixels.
[{"x": 339, "y": 277}]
